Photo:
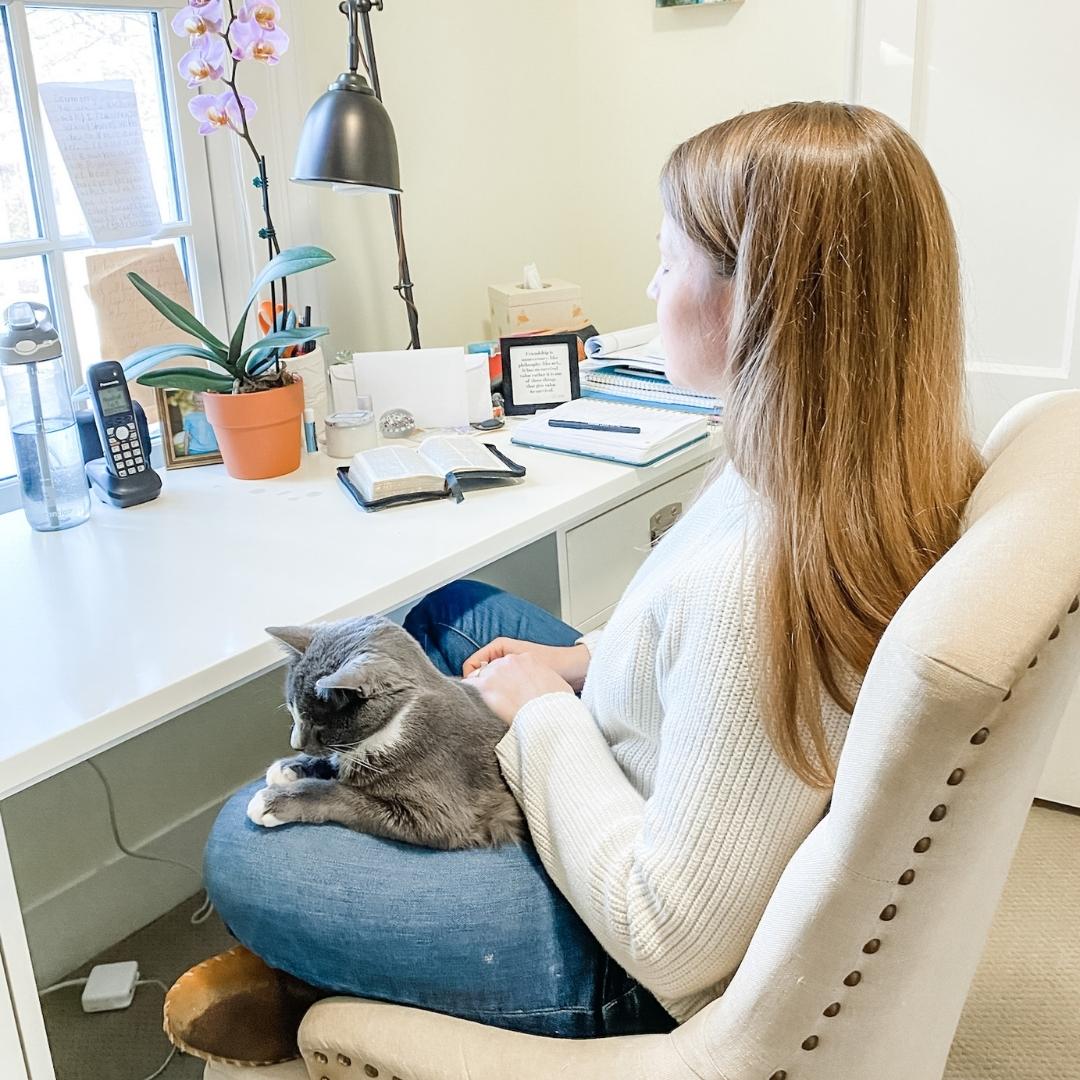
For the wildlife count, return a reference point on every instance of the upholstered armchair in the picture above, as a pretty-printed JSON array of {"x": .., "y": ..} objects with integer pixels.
[{"x": 863, "y": 958}]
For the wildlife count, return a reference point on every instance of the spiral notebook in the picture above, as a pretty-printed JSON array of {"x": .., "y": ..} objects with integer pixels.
[{"x": 660, "y": 432}]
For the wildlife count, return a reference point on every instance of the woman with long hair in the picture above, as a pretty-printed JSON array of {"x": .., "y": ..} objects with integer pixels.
[{"x": 809, "y": 277}]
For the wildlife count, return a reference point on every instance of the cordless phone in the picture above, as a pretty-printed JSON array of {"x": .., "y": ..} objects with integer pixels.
[
  {"x": 123, "y": 477},
  {"x": 114, "y": 416}
]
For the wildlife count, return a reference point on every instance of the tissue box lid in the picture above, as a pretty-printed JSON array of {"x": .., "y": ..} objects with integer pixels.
[{"x": 513, "y": 295}]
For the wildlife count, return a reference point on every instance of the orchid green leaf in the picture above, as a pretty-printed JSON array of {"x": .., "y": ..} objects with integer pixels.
[
  {"x": 187, "y": 379},
  {"x": 178, "y": 315},
  {"x": 280, "y": 339}
]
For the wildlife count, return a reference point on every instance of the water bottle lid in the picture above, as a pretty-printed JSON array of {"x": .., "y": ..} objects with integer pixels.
[{"x": 28, "y": 335}]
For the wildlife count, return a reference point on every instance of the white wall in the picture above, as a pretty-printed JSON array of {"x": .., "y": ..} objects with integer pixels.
[
  {"x": 528, "y": 130},
  {"x": 535, "y": 130}
]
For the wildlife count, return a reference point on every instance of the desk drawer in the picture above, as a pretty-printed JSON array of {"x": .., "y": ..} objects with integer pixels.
[{"x": 603, "y": 554}]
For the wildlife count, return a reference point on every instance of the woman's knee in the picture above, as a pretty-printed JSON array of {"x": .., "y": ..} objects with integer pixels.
[{"x": 446, "y": 604}]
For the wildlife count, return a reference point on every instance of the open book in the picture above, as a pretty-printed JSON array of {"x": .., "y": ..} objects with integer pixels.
[{"x": 438, "y": 467}]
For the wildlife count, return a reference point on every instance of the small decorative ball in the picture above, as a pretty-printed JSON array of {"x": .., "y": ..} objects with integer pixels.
[{"x": 396, "y": 423}]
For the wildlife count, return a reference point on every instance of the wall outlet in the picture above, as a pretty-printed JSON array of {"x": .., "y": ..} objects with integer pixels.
[{"x": 110, "y": 986}]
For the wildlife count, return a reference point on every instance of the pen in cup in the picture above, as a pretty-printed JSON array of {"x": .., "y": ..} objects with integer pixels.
[{"x": 582, "y": 425}]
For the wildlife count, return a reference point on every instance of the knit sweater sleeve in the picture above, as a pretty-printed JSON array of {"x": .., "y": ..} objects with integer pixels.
[{"x": 672, "y": 885}]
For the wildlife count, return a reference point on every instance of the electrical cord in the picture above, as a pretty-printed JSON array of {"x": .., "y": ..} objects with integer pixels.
[
  {"x": 142, "y": 982},
  {"x": 206, "y": 909}
]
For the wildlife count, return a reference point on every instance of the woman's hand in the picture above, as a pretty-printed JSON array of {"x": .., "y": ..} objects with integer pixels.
[
  {"x": 511, "y": 681},
  {"x": 568, "y": 662}
]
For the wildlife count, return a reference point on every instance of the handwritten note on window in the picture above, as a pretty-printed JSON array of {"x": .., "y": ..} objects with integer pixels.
[
  {"x": 126, "y": 322},
  {"x": 96, "y": 126}
]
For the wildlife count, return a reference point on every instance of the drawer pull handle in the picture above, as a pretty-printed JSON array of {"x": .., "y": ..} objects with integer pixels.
[{"x": 663, "y": 519}]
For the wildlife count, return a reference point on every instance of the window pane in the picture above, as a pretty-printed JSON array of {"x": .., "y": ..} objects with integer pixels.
[
  {"x": 20, "y": 279},
  {"x": 18, "y": 219},
  {"x": 107, "y": 311},
  {"x": 92, "y": 45}
]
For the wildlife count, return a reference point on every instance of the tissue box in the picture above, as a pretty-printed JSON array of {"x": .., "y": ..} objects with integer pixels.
[{"x": 516, "y": 310}]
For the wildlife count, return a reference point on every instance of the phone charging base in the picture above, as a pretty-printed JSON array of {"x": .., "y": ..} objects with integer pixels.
[{"x": 122, "y": 491}]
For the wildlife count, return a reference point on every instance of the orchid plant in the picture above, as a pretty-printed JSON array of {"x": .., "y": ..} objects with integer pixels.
[{"x": 220, "y": 37}]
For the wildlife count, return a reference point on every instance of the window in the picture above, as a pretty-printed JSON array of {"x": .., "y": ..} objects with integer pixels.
[{"x": 46, "y": 250}]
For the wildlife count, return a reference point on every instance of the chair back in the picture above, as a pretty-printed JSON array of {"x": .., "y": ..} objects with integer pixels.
[{"x": 865, "y": 953}]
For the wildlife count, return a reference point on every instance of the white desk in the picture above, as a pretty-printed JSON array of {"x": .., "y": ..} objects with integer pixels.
[{"x": 135, "y": 617}]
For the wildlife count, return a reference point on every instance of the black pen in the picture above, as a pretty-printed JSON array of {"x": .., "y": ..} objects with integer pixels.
[{"x": 581, "y": 425}]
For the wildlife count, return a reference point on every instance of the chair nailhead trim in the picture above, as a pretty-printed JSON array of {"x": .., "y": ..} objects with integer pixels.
[
  {"x": 922, "y": 845},
  {"x": 980, "y": 736},
  {"x": 888, "y": 912},
  {"x": 370, "y": 1070},
  {"x": 906, "y": 878},
  {"x": 1008, "y": 694},
  {"x": 938, "y": 812},
  {"x": 853, "y": 978},
  {"x": 872, "y": 945},
  {"x": 955, "y": 777},
  {"x": 832, "y": 1010},
  {"x": 343, "y": 1060},
  {"x": 810, "y": 1043},
  {"x": 1054, "y": 633},
  {"x": 1074, "y": 605},
  {"x": 321, "y": 1058},
  {"x": 779, "y": 1075},
  {"x": 1034, "y": 661}
]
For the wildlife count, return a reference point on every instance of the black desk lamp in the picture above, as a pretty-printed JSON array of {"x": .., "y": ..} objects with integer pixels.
[{"x": 348, "y": 140}]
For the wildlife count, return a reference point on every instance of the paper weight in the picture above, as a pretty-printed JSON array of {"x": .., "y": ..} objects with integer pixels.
[{"x": 396, "y": 423}]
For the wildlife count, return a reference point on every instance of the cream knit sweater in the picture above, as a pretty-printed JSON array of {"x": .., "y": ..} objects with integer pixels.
[{"x": 656, "y": 802}]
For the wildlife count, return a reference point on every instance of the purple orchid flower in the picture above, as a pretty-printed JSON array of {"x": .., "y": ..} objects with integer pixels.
[
  {"x": 206, "y": 61},
  {"x": 264, "y": 13},
  {"x": 199, "y": 19},
  {"x": 249, "y": 39},
  {"x": 217, "y": 111}
]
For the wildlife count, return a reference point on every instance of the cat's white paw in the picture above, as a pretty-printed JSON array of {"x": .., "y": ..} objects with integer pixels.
[
  {"x": 281, "y": 773},
  {"x": 257, "y": 812}
]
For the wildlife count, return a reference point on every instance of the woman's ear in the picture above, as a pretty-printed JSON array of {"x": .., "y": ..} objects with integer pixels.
[
  {"x": 296, "y": 638},
  {"x": 367, "y": 674}
]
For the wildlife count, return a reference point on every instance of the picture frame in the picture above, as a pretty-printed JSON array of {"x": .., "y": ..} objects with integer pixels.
[
  {"x": 187, "y": 439},
  {"x": 539, "y": 371}
]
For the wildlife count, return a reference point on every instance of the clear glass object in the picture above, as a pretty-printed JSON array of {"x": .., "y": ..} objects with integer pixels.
[{"x": 48, "y": 455}]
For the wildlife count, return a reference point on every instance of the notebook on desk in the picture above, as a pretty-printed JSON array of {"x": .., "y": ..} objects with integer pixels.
[{"x": 659, "y": 432}]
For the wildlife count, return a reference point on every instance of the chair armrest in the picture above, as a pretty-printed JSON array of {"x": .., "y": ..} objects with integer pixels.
[{"x": 403, "y": 1043}]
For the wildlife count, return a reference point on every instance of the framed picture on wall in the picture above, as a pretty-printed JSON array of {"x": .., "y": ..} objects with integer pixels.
[
  {"x": 186, "y": 435},
  {"x": 539, "y": 371}
]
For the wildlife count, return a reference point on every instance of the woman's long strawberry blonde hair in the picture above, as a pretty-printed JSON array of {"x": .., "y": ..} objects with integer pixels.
[{"x": 844, "y": 402}]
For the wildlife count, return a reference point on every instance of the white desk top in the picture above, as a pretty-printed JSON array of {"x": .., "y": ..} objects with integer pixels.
[{"x": 172, "y": 597}]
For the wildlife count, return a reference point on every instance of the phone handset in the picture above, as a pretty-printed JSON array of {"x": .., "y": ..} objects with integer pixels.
[{"x": 114, "y": 416}]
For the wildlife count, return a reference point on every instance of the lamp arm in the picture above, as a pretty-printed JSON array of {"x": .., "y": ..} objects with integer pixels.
[{"x": 360, "y": 11}]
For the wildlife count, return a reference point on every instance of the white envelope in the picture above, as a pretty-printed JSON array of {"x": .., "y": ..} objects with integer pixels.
[{"x": 430, "y": 383}]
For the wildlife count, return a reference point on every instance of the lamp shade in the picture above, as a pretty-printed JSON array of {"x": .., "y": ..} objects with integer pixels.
[{"x": 347, "y": 138}]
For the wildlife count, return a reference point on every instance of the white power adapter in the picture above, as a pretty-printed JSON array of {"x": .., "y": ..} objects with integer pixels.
[{"x": 110, "y": 986}]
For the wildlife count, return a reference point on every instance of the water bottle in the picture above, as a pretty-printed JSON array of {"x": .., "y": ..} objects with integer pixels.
[{"x": 48, "y": 454}]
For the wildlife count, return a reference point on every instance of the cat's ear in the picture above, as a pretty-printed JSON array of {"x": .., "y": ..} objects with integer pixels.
[
  {"x": 367, "y": 674},
  {"x": 296, "y": 638}
]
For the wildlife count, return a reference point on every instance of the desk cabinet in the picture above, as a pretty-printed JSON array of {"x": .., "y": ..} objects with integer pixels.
[{"x": 601, "y": 555}]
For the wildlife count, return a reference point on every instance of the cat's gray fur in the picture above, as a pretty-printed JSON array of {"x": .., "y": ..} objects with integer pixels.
[{"x": 389, "y": 745}]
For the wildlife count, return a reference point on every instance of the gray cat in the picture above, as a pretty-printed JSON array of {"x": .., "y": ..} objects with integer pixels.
[{"x": 389, "y": 745}]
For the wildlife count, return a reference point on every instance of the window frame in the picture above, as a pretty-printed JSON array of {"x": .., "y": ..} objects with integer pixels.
[{"x": 191, "y": 168}]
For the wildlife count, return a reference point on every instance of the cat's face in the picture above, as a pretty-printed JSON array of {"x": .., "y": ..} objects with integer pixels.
[{"x": 347, "y": 681}]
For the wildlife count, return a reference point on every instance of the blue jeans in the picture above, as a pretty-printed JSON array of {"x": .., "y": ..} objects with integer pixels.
[{"x": 481, "y": 934}]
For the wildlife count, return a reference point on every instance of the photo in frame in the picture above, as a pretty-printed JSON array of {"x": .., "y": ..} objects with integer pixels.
[
  {"x": 539, "y": 371},
  {"x": 187, "y": 438}
]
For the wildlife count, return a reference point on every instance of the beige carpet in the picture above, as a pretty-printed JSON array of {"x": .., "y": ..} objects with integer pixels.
[
  {"x": 1021, "y": 1022},
  {"x": 1022, "y": 1017}
]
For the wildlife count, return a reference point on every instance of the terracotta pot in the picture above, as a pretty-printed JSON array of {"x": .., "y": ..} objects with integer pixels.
[{"x": 259, "y": 434}]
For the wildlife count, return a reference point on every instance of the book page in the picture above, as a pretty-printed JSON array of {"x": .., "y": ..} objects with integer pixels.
[
  {"x": 392, "y": 470},
  {"x": 459, "y": 455}
]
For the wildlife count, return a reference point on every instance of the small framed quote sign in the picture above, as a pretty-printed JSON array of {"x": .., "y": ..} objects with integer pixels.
[{"x": 539, "y": 372}]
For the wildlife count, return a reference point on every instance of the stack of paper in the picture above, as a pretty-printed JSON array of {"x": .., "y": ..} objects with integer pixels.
[
  {"x": 615, "y": 431},
  {"x": 630, "y": 365}
]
